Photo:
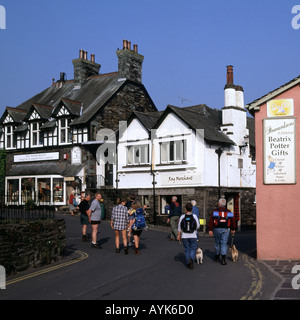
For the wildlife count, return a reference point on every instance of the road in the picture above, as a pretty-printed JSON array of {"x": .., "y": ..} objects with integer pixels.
[{"x": 158, "y": 273}]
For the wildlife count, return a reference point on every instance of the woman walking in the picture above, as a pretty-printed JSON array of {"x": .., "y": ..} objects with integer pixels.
[
  {"x": 95, "y": 219},
  {"x": 120, "y": 222}
]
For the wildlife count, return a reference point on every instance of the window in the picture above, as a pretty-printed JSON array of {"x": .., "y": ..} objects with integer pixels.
[
  {"x": 28, "y": 189},
  {"x": 44, "y": 190},
  {"x": 138, "y": 154},
  {"x": 12, "y": 190},
  {"x": 173, "y": 151},
  {"x": 36, "y": 138},
  {"x": 9, "y": 137},
  {"x": 58, "y": 190},
  {"x": 64, "y": 131}
]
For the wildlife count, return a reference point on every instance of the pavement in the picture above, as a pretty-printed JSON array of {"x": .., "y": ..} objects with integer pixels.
[{"x": 158, "y": 273}]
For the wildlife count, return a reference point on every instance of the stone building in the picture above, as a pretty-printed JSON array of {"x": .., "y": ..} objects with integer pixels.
[
  {"x": 51, "y": 139},
  {"x": 196, "y": 153}
]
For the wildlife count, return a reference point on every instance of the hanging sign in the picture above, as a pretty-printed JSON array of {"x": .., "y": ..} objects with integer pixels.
[{"x": 279, "y": 151}]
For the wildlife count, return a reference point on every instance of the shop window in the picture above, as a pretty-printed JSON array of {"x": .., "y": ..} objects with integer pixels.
[
  {"x": 44, "y": 190},
  {"x": 12, "y": 191},
  {"x": 58, "y": 190},
  {"x": 28, "y": 189}
]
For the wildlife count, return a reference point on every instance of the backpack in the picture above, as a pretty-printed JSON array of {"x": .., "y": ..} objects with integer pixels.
[
  {"x": 222, "y": 219},
  {"x": 188, "y": 223},
  {"x": 140, "y": 220}
]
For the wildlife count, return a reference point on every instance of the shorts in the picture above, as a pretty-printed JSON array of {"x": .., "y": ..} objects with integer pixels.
[
  {"x": 84, "y": 220},
  {"x": 95, "y": 222},
  {"x": 137, "y": 232}
]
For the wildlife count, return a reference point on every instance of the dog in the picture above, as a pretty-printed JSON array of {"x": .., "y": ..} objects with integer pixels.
[
  {"x": 199, "y": 256},
  {"x": 234, "y": 253}
]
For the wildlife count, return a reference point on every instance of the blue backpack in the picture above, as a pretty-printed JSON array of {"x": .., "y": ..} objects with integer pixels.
[{"x": 140, "y": 220}]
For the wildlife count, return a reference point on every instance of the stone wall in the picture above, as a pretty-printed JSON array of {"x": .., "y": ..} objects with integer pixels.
[{"x": 31, "y": 244}]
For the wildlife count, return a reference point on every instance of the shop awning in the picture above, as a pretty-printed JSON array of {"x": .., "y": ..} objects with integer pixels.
[
  {"x": 35, "y": 169},
  {"x": 72, "y": 170}
]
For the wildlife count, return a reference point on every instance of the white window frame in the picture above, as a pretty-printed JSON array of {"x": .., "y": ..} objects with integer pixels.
[
  {"x": 11, "y": 135},
  {"x": 66, "y": 130},
  {"x": 177, "y": 155},
  {"x": 137, "y": 155},
  {"x": 36, "y": 131}
]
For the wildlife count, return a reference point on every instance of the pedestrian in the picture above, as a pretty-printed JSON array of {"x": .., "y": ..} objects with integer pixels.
[
  {"x": 196, "y": 212},
  {"x": 136, "y": 206},
  {"x": 220, "y": 221},
  {"x": 173, "y": 217},
  {"x": 84, "y": 208},
  {"x": 73, "y": 205},
  {"x": 119, "y": 223},
  {"x": 95, "y": 219},
  {"x": 167, "y": 209},
  {"x": 128, "y": 206},
  {"x": 187, "y": 233}
]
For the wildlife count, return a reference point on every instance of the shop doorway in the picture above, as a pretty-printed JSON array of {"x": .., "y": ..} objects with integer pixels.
[
  {"x": 233, "y": 204},
  {"x": 164, "y": 200}
]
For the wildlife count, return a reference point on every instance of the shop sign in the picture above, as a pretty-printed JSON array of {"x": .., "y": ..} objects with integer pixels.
[
  {"x": 36, "y": 157},
  {"x": 279, "y": 151},
  {"x": 280, "y": 108},
  {"x": 182, "y": 179}
]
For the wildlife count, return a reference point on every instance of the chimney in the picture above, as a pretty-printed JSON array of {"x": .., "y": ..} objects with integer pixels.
[
  {"x": 130, "y": 62},
  {"x": 229, "y": 75},
  {"x": 83, "y": 68},
  {"x": 230, "y": 94}
]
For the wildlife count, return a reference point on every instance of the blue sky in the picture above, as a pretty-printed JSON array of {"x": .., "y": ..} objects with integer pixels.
[{"x": 187, "y": 45}]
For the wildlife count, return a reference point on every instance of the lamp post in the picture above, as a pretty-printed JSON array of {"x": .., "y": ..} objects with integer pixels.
[
  {"x": 219, "y": 152},
  {"x": 153, "y": 184}
]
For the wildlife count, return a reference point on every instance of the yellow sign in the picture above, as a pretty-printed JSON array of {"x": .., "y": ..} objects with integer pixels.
[{"x": 280, "y": 108}]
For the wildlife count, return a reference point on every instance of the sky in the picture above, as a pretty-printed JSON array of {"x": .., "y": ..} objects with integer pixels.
[{"x": 187, "y": 45}]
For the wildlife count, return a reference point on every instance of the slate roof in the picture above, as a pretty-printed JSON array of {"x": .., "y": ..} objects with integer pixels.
[
  {"x": 196, "y": 117},
  {"x": 93, "y": 95}
]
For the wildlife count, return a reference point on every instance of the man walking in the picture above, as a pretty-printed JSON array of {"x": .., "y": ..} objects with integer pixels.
[
  {"x": 173, "y": 218},
  {"x": 220, "y": 221},
  {"x": 187, "y": 232},
  {"x": 84, "y": 208}
]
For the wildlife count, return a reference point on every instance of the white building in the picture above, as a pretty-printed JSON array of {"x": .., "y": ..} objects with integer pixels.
[{"x": 194, "y": 153}]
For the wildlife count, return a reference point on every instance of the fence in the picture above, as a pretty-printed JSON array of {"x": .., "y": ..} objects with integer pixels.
[{"x": 25, "y": 209}]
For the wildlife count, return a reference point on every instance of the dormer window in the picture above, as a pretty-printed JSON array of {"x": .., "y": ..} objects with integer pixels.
[
  {"x": 64, "y": 131},
  {"x": 36, "y": 139},
  {"x": 9, "y": 137}
]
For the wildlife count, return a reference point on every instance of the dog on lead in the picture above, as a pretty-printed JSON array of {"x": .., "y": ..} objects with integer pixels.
[
  {"x": 234, "y": 253},
  {"x": 199, "y": 256}
]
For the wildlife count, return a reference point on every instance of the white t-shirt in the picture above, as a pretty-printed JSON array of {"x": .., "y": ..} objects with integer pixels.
[{"x": 185, "y": 235}]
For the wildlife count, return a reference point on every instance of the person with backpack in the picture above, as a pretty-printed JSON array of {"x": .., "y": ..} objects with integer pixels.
[
  {"x": 221, "y": 220},
  {"x": 137, "y": 224},
  {"x": 187, "y": 233}
]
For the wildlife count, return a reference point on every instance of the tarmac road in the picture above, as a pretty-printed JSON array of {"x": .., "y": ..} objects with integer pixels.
[{"x": 158, "y": 273}]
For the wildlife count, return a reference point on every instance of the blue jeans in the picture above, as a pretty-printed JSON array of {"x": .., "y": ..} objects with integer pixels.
[
  {"x": 190, "y": 247},
  {"x": 221, "y": 239}
]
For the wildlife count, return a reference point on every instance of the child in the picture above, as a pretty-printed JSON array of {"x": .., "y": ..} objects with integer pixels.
[{"x": 187, "y": 232}]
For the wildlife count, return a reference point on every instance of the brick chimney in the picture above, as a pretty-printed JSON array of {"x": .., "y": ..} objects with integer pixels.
[
  {"x": 130, "y": 62},
  {"x": 84, "y": 68}
]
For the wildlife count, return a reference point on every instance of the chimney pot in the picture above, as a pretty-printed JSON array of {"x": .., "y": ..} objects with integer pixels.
[
  {"x": 129, "y": 45},
  {"x": 229, "y": 75},
  {"x": 92, "y": 58},
  {"x": 80, "y": 54},
  {"x": 85, "y": 55},
  {"x": 135, "y": 48},
  {"x": 125, "y": 44}
]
